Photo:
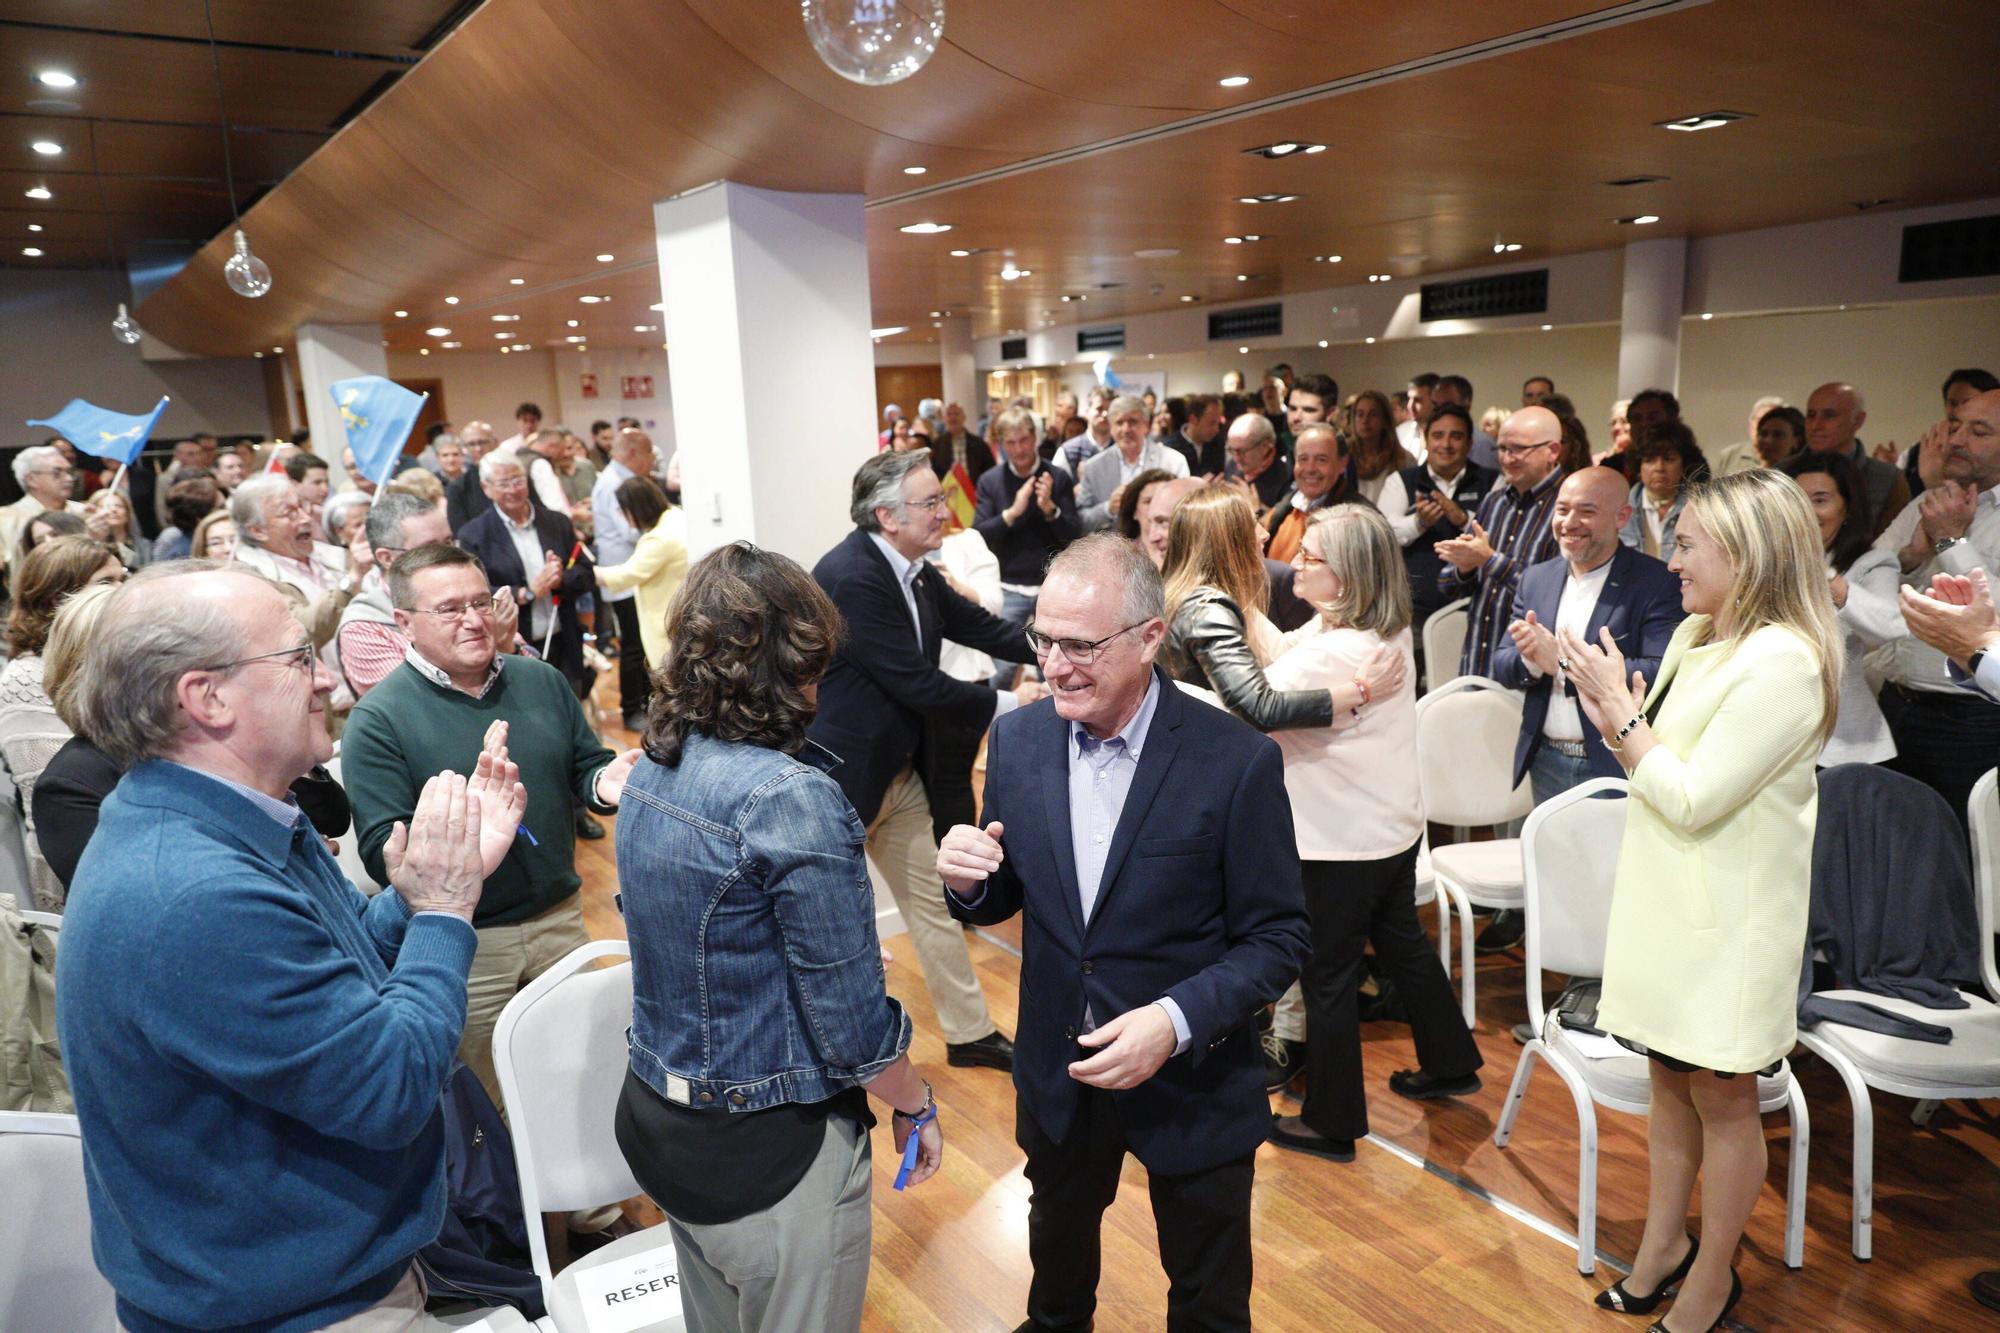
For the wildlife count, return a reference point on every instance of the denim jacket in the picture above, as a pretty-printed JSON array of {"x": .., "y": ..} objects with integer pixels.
[{"x": 756, "y": 974}]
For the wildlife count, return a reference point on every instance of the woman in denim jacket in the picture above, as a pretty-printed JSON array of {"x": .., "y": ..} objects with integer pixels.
[{"x": 758, "y": 1010}]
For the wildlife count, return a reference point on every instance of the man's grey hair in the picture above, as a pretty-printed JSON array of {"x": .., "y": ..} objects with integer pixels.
[
  {"x": 127, "y": 694},
  {"x": 28, "y": 459},
  {"x": 878, "y": 484},
  {"x": 1125, "y": 403},
  {"x": 338, "y": 507},
  {"x": 1256, "y": 427},
  {"x": 1105, "y": 557},
  {"x": 247, "y": 501},
  {"x": 551, "y": 435},
  {"x": 498, "y": 461},
  {"x": 386, "y": 518}
]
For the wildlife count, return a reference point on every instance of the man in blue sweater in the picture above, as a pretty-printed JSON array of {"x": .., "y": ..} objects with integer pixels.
[{"x": 256, "y": 1049}]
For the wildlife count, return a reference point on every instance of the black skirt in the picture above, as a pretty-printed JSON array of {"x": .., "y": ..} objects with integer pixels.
[{"x": 1683, "y": 1067}]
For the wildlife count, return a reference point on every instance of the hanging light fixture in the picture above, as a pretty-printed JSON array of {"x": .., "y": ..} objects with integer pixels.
[
  {"x": 246, "y": 274},
  {"x": 124, "y": 328},
  {"x": 874, "y": 41}
]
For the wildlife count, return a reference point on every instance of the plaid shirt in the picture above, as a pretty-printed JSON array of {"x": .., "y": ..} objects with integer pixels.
[{"x": 1517, "y": 527}]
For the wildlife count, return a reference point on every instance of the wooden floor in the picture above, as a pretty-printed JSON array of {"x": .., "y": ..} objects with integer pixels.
[{"x": 1385, "y": 1244}]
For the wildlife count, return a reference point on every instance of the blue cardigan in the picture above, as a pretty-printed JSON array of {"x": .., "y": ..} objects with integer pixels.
[{"x": 257, "y": 1052}]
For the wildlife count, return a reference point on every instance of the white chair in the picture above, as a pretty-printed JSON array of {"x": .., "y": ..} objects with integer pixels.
[
  {"x": 46, "y": 920},
  {"x": 1444, "y": 641},
  {"x": 1965, "y": 1068},
  {"x": 1982, "y": 811},
  {"x": 47, "y": 1278},
  {"x": 348, "y": 858},
  {"x": 1572, "y": 861},
  {"x": 1466, "y": 729},
  {"x": 559, "y": 1052}
]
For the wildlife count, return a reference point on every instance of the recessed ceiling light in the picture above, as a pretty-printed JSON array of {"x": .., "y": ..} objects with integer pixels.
[
  {"x": 1368, "y": 340},
  {"x": 1242, "y": 351},
  {"x": 1547, "y": 327},
  {"x": 645, "y": 328},
  {"x": 55, "y": 78},
  {"x": 504, "y": 333},
  {"x": 1322, "y": 342},
  {"x": 926, "y": 228},
  {"x": 1707, "y": 314},
  {"x": 451, "y": 344},
  {"x": 31, "y": 252},
  {"x": 1314, "y": 148},
  {"x": 47, "y": 147},
  {"x": 256, "y": 354},
  {"x": 438, "y": 331},
  {"x": 1232, "y": 240},
  {"x": 451, "y": 300},
  {"x": 657, "y": 305},
  {"x": 1285, "y": 148},
  {"x": 1187, "y": 298},
  {"x": 915, "y": 171},
  {"x": 892, "y": 329},
  {"x": 1707, "y": 120},
  {"x": 1640, "y": 220},
  {"x": 1512, "y": 246},
  {"x": 573, "y": 322},
  {"x": 604, "y": 259},
  {"x": 960, "y": 254},
  {"x": 38, "y": 192},
  {"x": 589, "y": 300},
  {"x": 34, "y": 226},
  {"x": 1161, "y": 253},
  {"x": 1010, "y": 273},
  {"x": 1234, "y": 81},
  {"x": 1265, "y": 198},
  {"x": 517, "y": 282},
  {"x": 279, "y": 350},
  {"x": 421, "y": 351},
  {"x": 574, "y": 338},
  {"x": 506, "y": 319},
  {"x": 402, "y": 314}
]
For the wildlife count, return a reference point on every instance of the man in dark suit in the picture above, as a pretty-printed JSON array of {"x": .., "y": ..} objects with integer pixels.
[
  {"x": 883, "y": 705},
  {"x": 464, "y": 500},
  {"x": 1159, "y": 887},
  {"x": 1433, "y": 502},
  {"x": 1025, "y": 510},
  {"x": 1322, "y": 475}
]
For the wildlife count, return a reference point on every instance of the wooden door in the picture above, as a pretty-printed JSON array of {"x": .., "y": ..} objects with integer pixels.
[
  {"x": 433, "y": 411},
  {"x": 906, "y": 386}
]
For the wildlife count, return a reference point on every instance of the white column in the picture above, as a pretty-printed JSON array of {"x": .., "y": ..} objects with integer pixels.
[
  {"x": 1649, "y": 331},
  {"x": 772, "y": 370},
  {"x": 328, "y": 353},
  {"x": 961, "y": 372}
]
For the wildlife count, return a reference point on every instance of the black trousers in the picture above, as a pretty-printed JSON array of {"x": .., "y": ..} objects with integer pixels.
[
  {"x": 1352, "y": 904},
  {"x": 1945, "y": 741},
  {"x": 633, "y": 687},
  {"x": 1203, "y": 1220}
]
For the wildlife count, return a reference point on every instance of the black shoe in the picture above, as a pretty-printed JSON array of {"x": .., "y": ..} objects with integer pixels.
[
  {"x": 1524, "y": 1033},
  {"x": 1283, "y": 1061},
  {"x": 1617, "y": 1298},
  {"x": 587, "y": 828},
  {"x": 1316, "y": 1145},
  {"x": 1421, "y": 1087},
  {"x": 1735, "y": 1295},
  {"x": 1986, "y": 1288},
  {"x": 1503, "y": 932},
  {"x": 989, "y": 1052}
]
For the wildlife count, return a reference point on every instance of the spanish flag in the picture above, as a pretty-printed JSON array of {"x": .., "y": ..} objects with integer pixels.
[{"x": 958, "y": 495}]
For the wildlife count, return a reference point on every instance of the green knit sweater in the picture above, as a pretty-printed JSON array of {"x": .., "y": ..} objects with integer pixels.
[{"x": 406, "y": 729}]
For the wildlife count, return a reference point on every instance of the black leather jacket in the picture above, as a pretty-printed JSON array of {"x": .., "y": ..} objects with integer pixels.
[{"x": 1206, "y": 646}]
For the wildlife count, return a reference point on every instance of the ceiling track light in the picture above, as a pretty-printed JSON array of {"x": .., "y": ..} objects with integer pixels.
[
  {"x": 1707, "y": 120},
  {"x": 1638, "y": 220},
  {"x": 1285, "y": 148},
  {"x": 1267, "y": 198}
]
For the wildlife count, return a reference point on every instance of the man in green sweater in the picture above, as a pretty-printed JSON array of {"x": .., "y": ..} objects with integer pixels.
[{"x": 437, "y": 711}]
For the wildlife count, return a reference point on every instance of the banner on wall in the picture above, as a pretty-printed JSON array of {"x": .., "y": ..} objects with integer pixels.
[
  {"x": 589, "y": 378},
  {"x": 637, "y": 386}
]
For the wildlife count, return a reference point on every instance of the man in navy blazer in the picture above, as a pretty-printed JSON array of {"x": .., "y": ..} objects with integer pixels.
[
  {"x": 1147, "y": 842},
  {"x": 562, "y": 572},
  {"x": 1595, "y": 584},
  {"x": 884, "y": 705}
]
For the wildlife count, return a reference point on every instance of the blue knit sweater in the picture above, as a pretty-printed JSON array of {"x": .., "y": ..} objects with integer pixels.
[{"x": 257, "y": 1053}]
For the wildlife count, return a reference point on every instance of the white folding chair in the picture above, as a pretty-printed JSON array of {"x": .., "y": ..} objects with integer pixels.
[
  {"x": 1982, "y": 812},
  {"x": 1444, "y": 641},
  {"x": 559, "y": 1052},
  {"x": 46, "y": 920},
  {"x": 348, "y": 858},
  {"x": 1571, "y": 845},
  {"x": 1966, "y": 1068},
  {"x": 1466, "y": 729},
  {"x": 47, "y": 1279}
]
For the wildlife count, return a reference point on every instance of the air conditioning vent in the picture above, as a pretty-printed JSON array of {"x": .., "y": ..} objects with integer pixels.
[
  {"x": 1965, "y": 248},
  {"x": 1249, "y": 321},
  {"x": 1013, "y": 349},
  {"x": 1105, "y": 339},
  {"x": 1487, "y": 298}
]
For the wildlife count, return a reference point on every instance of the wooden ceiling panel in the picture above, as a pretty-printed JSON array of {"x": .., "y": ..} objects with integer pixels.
[
  {"x": 481, "y": 165},
  {"x": 382, "y": 27}
]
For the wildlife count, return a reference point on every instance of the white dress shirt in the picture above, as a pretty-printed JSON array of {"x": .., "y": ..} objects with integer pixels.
[
  {"x": 1907, "y": 660},
  {"x": 1401, "y": 511},
  {"x": 1579, "y": 603},
  {"x": 528, "y": 545},
  {"x": 906, "y": 571}
]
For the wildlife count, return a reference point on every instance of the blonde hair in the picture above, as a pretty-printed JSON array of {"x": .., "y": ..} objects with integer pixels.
[
  {"x": 198, "y": 539},
  {"x": 416, "y": 482},
  {"x": 1212, "y": 543},
  {"x": 1765, "y": 525},
  {"x": 1358, "y": 545},
  {"x": 69, "y": 637}
]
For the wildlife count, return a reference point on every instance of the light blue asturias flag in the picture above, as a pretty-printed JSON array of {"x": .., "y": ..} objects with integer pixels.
[
  {"x": 378, "y": 415},
  {"x": 103, "y": 434}
]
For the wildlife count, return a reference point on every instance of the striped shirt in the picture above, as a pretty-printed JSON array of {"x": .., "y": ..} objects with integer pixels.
[{"x": 1517, "y": 527}]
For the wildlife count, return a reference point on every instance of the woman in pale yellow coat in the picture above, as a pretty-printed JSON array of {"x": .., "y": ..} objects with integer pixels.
[
  {"x": 1708, "y": 919},
  {"x": 659, "y": 562}
]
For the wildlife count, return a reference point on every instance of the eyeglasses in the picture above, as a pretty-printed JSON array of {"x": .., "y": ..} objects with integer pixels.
[
  {"x": 929, "y": 506},
  {"x": 508, "y": 483},
  {"x": 1080, "y": 651},
  {"x": 299, "y": 657},
  {"x": 445, "y": 615},
  {"x": 1516, "y": 450}
]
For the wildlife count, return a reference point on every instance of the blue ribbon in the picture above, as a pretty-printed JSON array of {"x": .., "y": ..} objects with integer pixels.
[{"x": 911, "y": 1147}]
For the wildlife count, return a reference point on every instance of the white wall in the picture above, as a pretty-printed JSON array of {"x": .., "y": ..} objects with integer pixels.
[
  {"x": 487, "y": 386},
  {"x": 56, "y": 344}
]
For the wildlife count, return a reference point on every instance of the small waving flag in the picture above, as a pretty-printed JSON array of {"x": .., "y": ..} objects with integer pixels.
[
  {"x": 101, "y": 433},
  {"x": 378, "y": 415}
]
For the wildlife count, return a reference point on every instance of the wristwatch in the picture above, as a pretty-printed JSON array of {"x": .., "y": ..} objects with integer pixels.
[{"x": 1943, "y": 544}]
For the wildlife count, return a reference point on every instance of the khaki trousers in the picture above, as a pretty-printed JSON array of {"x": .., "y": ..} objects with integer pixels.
[
  {"x": 508, "y": 958},
  {"x": 904, "y": 849}
]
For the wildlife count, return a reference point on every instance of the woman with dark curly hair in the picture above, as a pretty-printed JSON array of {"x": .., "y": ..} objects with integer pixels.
[
  {"x": 758, "y": 1008},
  {"x": 1662, "y": 461}
]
